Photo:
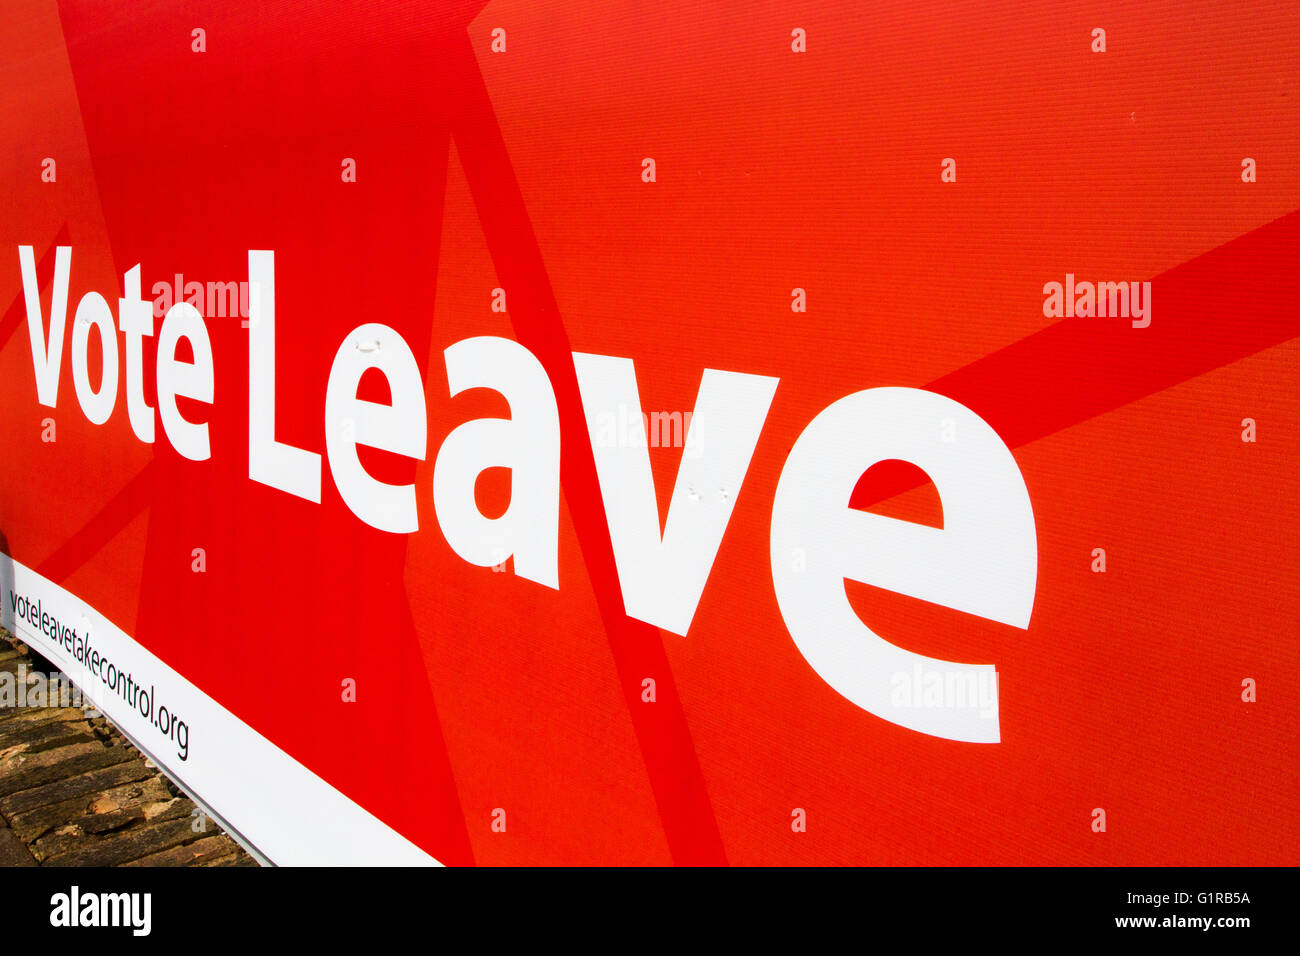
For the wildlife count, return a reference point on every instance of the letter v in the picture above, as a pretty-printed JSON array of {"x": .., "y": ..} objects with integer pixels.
[
  {"x": 47, "y": 353},
  {"x": 663, "y": 576}
]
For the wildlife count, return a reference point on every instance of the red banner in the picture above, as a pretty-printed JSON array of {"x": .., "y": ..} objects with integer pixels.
[{"x": 616, "y": 433}]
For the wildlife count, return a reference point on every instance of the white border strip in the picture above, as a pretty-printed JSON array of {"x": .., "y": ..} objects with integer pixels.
[{"x": 290, "y": 816}]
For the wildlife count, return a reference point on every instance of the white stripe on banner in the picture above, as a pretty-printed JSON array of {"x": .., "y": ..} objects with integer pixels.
[{"x": 287, "y": 813}]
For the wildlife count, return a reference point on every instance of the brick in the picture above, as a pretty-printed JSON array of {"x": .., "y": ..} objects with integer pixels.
[
  {"x": 37, "y": 822},
  {"x": 65, "y": 789},
  {"x": 216, "y": 850},
  {"x": 33, "y": 738},
  {"x": 13, "y": 852},
  {"x": 127, "y": 845},
  {"x": 53, "y": 764}
]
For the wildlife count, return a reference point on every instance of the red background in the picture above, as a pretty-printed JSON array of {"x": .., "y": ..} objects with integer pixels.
[{"x": 775, "y": 170}]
